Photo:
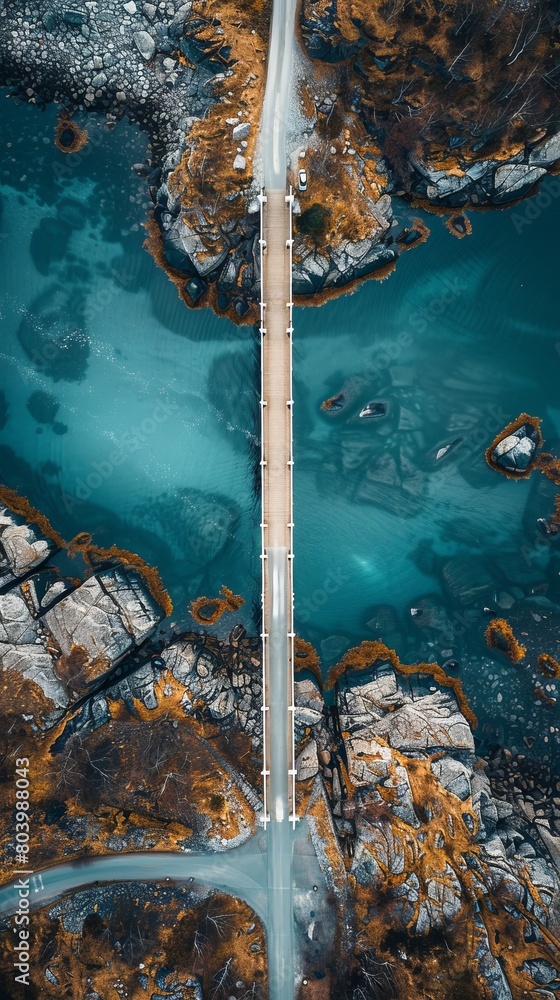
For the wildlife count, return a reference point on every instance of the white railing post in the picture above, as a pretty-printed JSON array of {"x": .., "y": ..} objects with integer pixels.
[{"x": 264, "y": 707}]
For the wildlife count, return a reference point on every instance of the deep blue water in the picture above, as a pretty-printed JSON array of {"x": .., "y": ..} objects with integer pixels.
[{"x": 153, "y": 442}]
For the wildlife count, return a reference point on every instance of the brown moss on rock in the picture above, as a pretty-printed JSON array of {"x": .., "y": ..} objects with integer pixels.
[
  {"x": 499, "y": 635},
  {"x": 364, "y": 656},
  {"x": 459, "y": 225},
  {"x": 208, "y": 610},
  {"x": 21, "y": 505},
  {"x": 70, "y": 138},
  {"x": 307, "y": 658},
  {"x": 173, "y": 933},
  {"x": 548, "y": 665},
  {"x": 523, "y": 418},
  {"x": 94, "y": 556}
]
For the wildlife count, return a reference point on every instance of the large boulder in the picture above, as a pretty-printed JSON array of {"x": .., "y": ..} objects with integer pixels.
[
  {"x": 515, "y": 452},
  {"x": 22, "y": 546}
]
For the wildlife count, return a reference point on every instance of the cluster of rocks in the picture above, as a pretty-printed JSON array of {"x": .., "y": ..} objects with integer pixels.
[
  {"x": 515, "y": 452},
  {"x": 486, "y": 182},
  {"x": 152, "y": 64},
  {"x": 208, "y": 252},
  {"x": 65, "y": 638},
  {"x": 113, "y": 58},
  {"x": 527, "y": 799},
  {"x": 394, "y": 759},
  {"x": 331, "y": 267},
  {"x": 161, "y": 65},
  {"x": 222, "y": 685}
]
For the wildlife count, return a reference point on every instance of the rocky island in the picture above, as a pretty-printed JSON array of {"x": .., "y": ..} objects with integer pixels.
[{"x": 443, "y": 108}]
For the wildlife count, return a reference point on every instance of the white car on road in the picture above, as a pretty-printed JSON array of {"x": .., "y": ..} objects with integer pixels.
[{"x": 302, "y": 180}]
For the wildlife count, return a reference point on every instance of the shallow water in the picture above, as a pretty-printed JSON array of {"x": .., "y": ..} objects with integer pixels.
[
  {"x": 138, "y": 433},
  {"x": 460, "y": 340}
]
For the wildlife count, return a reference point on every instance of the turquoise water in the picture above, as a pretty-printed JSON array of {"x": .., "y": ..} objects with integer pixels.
[
  {"x": 462, "y": 338},
  {"x": 146, "y": 437},
  {"x": 124, "y": 414}
]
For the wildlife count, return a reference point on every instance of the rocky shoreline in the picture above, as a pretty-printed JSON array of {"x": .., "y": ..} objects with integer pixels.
[
  {"x": 193, "y": 78},
  {"x": 416, "y": 835}
]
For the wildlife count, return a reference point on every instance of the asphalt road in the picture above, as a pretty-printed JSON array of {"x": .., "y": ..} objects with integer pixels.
[
  {"x": 275, "y": 106},
  {"x": 279, "y": 833},
  {"x": 239, "y": 872}
]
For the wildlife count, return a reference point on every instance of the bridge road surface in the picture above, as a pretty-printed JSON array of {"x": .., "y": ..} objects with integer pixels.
[
  {"x": 277, "y": 531},
  {"x": 277, "y": 585}
]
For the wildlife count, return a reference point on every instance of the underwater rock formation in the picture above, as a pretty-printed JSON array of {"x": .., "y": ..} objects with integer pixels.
[{"x": 49, "y": 336}]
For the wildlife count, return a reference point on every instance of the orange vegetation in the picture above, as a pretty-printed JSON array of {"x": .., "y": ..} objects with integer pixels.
[
  {"x": 137, "y": 777},
  {"x": 422, "y": 229},
  {"x": 368, "y": 653},
  {"x": 546, "y": 463},
  {"x": 499, "y": 635},
  {"x": 329, "y": 403},
  {"x": 75, "y": 669},
  {"x": 548, "y": 665},
  {"x": 70, "y": 138},
  {"x": 215, "y": 607},
  {"x": 187, "y": 932},
  {"x": 524, "y": 418},
  {"x": 20, "y": 505},
  {"x": 539, "y": 692},
  {"x": 307, "y": 658},
  {"x": 436, "y": 852},
  {"x": 205, "y": 179},
  {"x": 466, "y": 222},
  {"x": 93, "y": 555}
]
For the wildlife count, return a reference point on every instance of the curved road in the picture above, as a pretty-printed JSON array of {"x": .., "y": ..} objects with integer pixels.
[{"x": 240, "y": 872}]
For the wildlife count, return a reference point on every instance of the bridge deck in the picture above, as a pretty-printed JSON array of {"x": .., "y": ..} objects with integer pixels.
[{"x": 277, "y": 455}]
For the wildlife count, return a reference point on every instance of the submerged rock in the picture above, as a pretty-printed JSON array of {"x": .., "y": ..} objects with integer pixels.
[
  {"x": 377, "y": 408},
  {"x": 52, "y": 336},
  {"x": 43, "y": 406}
]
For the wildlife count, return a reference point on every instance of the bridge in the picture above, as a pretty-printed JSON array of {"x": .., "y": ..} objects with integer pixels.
[
  {"x": 262, "y": 874},
  {"x": 277, "y": 524}
]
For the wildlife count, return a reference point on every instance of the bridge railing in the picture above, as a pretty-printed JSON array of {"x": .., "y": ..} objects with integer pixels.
[
  {"x": 264, "y": 707},
  {"x": 291, "y": 633}
]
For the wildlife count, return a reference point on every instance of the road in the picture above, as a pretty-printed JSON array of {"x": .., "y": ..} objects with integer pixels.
[
  {"x": 241, "y": 872},
  {"x": 276, "y": 100},
  {"x": 261, "y": 871}
]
